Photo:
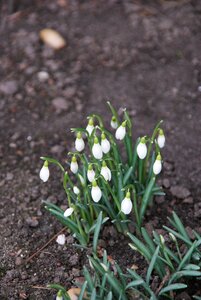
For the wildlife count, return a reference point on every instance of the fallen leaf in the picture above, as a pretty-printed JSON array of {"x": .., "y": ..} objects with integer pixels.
[
  {"x": 52, "y": 38},
  {"x": 74, "y": 293}
]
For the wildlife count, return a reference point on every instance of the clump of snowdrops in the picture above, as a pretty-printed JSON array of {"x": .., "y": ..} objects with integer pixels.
[{"x": 99, "y": 179}]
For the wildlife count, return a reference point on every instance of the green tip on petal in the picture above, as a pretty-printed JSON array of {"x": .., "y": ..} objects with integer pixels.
[
  {"x": 96, "y": 140},
  {"x": 143, "y": 140},
  {"x": 94, "y": 183},
  {"x": 46, "y": 163},
  {"x": 124, "y": 123},
  {"x": 91, "y": 122},
  {"x": 90, "y": 167},
  {"x": 79, "y": 135},
  {"x": 103, "y": 137},
  {"x": 114, "y": 119},
  {"x": 161, "y": 132},
  {"x": 104, "y": 164},
  {"x": 158, "y": 157},
  {"x": 74, "y": 159},
  {"x": 128, "y": 195},
  {"x": 59, "y": 294}
]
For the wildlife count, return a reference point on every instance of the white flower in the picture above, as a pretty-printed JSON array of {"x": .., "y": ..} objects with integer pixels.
[
  {"x": 157, "y": 166},
  {"x": 90, "y": 126},
  {"x": 59, "y": 296},
  {"x": 105, "y": 172},
  {"x": 126, "y": 204},
  {"x": 76, "y": 190},
  {"x": 74, "y": 165},
  {"x": 105, "y": 144},
  {"x": 162, "y": 240},
  {"x": 121, "y": 131},
  {"x": 114, "y": 123},
  {"x": 82, "y": 181},
  {"x": 61, "y": 239},
  {"x": 96, "y": 193},
  {"x": 90, "y": 173},
  {"x": 142, "y": 149},
  {"x": 68, "y": 212},
  {"x": 44, "y": 172},
  {"x": 161, "y": 139},
  {"x": 96, "y": 149},
  {"x": 79, "y": 142}
]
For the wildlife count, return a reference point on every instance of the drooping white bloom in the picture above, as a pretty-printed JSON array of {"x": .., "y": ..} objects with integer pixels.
[
  {"x": 105, "y": 144},
  {"x": 82, "y": 181},
  {"x": 121, "y": 131},
  {"x": 142, "y": 149},
  {"x": 126, "y": 204},
  {"x": 157, "y": 166},
  {"x": 68, "y": 212},
  {"x": 105, "y": 172},
  {"x": 90, "y": 173},
  {"x": 76, "y": 190},
  {"x": 96, "y": 193},
  {"x": 79, "y": 142},
  {"x": 59, "y": 296},
  {"x": 90, "y": 126},
  {"x": 161, "y": 139},
  {"x": 96, "y": 149},
  {"x": 61, "y": 239},
  {"x": 74, "y": 165},
  {"x": 114, "y": 123},
  {"x": 44, "y": 172}
]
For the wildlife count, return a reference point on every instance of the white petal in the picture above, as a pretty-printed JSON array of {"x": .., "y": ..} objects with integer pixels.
[
  {"x": 81, "y": 179},
  {"x": 68, "y": 212},
  {"x": 157, "y": 167},
  {"x": 79, "y": 144},
  {"x": 61, "y": 239},
  {"x": 76, "y": 190},
  {"x": 120, "y": 133},
  {"x": 59, "y": 298},
  {"x": 161, "y": 141},
  {"x": 105, "y": 145},
  {"x": 74, "y": 167},
  {"x": 106, "y": 173},
  {"x": 142, "y": 150},
  {"x": 97, "y": 151},
  {"x": 96, "y": 193},
  {"x": 113, "y": 124},
  {"x": 89, "y": 129},
  {"x": 44, "y": 174},
  {"x": 126, "y": 206},
  {"x": 91, "y": 175}
]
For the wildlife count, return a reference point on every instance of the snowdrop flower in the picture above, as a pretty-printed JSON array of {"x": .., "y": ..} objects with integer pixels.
[
  {"x": 96, "y": 149},
  {"x": 74, "y": 165},
  {"x": 142, "y": 148},
  {"x": 76, "y": 190},
  {"x": 90, "y": 173},
  {"x": 96, "y": 193},
  {"x": 61, "y": 239},
  {"x": 105, "y": 144},
  {"x": 114, "y": 123},
  {"x": 105, "y": 172},
  {"x": 162, "y": 240},
  {"x": 59, "y": 296},
  {"x": 172, "y": 236},
  {"x": 44, "y": 172},
  {"x": 82, "y": 181},
  {"x": 161, "y": 139},
  {"x": 157, "y": 167},
  {"x": 121, "y": 131},
  {"x": 79, "y": 142},
  {"x": 68, "y": 212},
  {"x": 90, "y": 126},
  {"x": 126, "y": 204}
]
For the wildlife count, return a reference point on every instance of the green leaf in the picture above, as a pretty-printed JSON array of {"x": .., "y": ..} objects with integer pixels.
[
  {"x": 192, "y": 267},
  {"x": 81, "y": 295},
  {"x": 146, "y": 198},
  {"x": 97, "y": 231},
  {"x": 93, "y": 295},
  {"x": 88, "y": 278},
  {"x": 151, "y": 265},
  {"x": 128, "y": 175},
  {"x": 140, "y": 247},
  {"x": 180, "y": 226},
  {"x": 135, "y": 283},
  {"x": 172, "y": 287},
  {"x": 109, "y": 296},
  {"x": 186, "y": 257}
]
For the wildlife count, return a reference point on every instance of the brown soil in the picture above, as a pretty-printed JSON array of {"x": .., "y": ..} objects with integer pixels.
[{"x": 143, "y": 55}]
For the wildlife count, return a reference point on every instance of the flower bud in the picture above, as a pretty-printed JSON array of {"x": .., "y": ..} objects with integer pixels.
[
  {"x": 161, "y": 139},
  {"x": 59, "y": 296},
  {"x": 121, "y": 131},
  {"x": 90, "y": 173},
  {"x": 74, "y": 165},
  {"x": 172, "y": 236},
  {"x": 79, "y": 142},
  {"x": 82, "y": 181},
  {"x": 142, "y": 148},
  {"x": 105, "y": 144},
  {"x": 157, "y": 166},
  {"x": 162, "y": 240},
  {"x": 105, "y": 172},
  {"x": 68, "y": 212},
  {"x": 90, "y": 126},
  {"x": 61, "y": 239},
  {"x": 126, "y": 204},
  {"x": 76, "y": 190},
  {"x": 44, "y": 172},
  {"x": 96, "y": 149},
  {"x": 96, "y": 193},
  {"x": 114, "y": 123}
]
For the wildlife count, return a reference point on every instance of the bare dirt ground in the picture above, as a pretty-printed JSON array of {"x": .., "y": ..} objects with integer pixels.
[{"x": 143, "y": 55}]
